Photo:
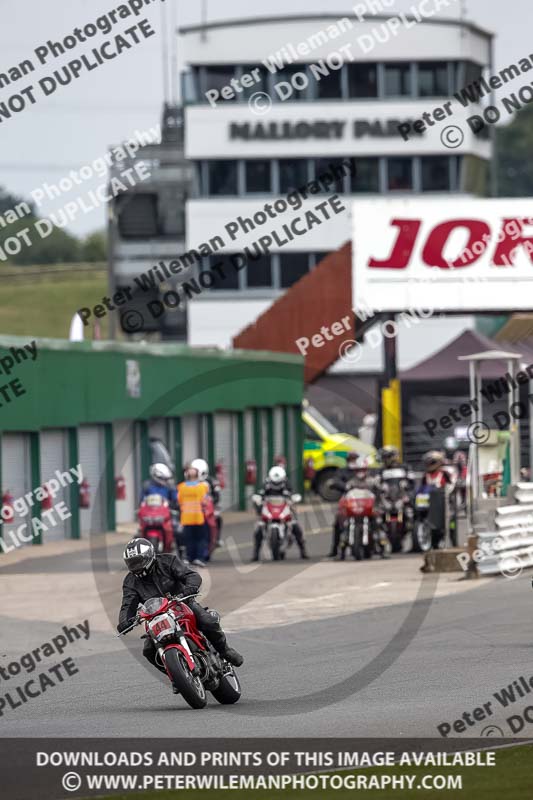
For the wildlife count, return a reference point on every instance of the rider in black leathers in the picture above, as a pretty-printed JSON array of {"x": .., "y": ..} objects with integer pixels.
[
  {"x": 162, "y": 574},
  {"x": 277, "y": 483}
]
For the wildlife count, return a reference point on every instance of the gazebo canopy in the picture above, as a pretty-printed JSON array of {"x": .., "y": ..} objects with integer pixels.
[{"x": 451, "y": 362}]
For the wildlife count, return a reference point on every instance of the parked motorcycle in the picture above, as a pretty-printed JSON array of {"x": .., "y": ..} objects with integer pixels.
[
  {"x": 361, "y": 532},
  {"x": 192, "y": 664},
  {"x": 155, "y": 520},
  {"x": 396, "y": 505},
  {"x": 436, "y": 518},
  {"x": 277, "y": 519}
]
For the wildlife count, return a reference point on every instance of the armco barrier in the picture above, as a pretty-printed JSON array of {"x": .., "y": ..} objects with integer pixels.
[{"x": 509, "y": 548}]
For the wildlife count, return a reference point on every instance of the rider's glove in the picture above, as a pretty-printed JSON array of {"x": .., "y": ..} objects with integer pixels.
[{"x": 122, "y": 626}]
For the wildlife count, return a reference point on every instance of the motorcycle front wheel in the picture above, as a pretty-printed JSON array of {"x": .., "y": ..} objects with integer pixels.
[
  {"x": 395, "y": 537},
  {"x": 190, "y": 687},
  {"x": 358, "y": 548},
  {"x": 275, "y": 545},
  {"x": 228, "y": 690}
]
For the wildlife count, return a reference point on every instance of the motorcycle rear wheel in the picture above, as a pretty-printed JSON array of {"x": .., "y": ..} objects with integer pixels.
[
  {"x": 189, "y": 686},
  {"x": 228, "y": 690}
]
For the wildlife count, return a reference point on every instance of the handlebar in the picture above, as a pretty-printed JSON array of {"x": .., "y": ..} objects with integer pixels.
[{"x": 137, "y": 620}]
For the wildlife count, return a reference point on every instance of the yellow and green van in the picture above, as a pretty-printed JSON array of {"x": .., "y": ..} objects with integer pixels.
[{"x": 327, "y": 448}]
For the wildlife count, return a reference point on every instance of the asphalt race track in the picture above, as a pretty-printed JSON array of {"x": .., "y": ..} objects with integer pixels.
[{"x": 345, "y": 667}]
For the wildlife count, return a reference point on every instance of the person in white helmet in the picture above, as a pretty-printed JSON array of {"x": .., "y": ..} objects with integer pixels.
[
  {"x": 214, "y": 490},
  {"x": 160, "y": 483},
  {"x": 277, "y": 483}
]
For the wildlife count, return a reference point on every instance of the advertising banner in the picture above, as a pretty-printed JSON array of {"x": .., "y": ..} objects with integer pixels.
[{"x": 466, "y": 255}]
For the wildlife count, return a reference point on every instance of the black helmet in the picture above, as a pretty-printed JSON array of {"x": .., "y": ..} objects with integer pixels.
[
  {"x": 389, "y": 454},
  {"x": 139, "y": 557}
]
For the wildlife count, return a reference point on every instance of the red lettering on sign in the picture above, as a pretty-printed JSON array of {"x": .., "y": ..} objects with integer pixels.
[
  {"x": 403, "y": 247},
  {"x": 436, "y": 241},
  {"x": 505, "y": 251}
]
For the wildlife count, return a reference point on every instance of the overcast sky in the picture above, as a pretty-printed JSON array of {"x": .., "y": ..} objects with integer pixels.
[{"x": 79, "y": 122}]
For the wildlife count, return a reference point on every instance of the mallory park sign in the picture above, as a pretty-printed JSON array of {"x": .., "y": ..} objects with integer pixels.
[{"x": 318, "y": 129}]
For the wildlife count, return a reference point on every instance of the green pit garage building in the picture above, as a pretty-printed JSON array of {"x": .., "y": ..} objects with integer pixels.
[{"x": 106, "y": 405}]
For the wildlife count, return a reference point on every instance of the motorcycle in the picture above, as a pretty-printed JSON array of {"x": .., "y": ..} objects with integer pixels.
[
  {"x": 361, "y": 530},
  {"x": 192, "y": 664},
  {"x": 436, "y": 518},
  {"x": 396, "y": 505},
  {"x": 156, "y": 522},
  {"x": 277, "y": 519}
]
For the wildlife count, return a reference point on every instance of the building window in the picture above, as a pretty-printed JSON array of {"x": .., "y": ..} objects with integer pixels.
[
  {"x": 257, "y": 177},
  {"x": 190, "y": 86},
  {"x": 336, "y": 167},
  {"x": 400, "y": 174},
  {"x": 293, "y": 266},
  {"x": 296, "y": 76},
  {"x": 397, "y": 80},
  {"x": 222, "y": 177},
  {"x": 260, "y": 85},
  {"x": 139, "y": 218},
  {"x": 435, "y": 174},
  {"x": 366, "y": 177},
  {"x": 329, "y": 87},
  {"x": 292, "y": 174},
  {"x": 259, "y": 273},
  {"x": 217, "y": 78},
  {"x": 433, "y": 79},
  {"x": 362, "y": 80},
  {"x": 226, "y": 275}
]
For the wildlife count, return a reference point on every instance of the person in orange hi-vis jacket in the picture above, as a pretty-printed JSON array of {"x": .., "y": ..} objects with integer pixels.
[{"x": 191, "y": 501}]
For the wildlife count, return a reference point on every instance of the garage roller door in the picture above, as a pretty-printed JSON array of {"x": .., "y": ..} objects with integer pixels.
[
  {"x": 190, "y": 439},
  {"x": 279, "y": 449},
  {"x": 124, "y": 450},
  {"x": 226, "y": 451},
  {"x": 92, "y": 459},
  {"x": 159, "y": 429},
  {"x": 54, "y": 456},
  {"x": 264, "y": 442},
  {"x": 16, "y": 473}
]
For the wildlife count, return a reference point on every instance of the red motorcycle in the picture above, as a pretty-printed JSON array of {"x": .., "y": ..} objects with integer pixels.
[
  {"x": 155, "y": 520},
  {"x": 276, "y": 520},
  {"x": 190, "y": 661},
  {"x": 361, "y": 529}
]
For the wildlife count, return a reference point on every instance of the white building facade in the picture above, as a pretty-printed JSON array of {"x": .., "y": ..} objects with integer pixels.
[{"x": 273, "y": 103}]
